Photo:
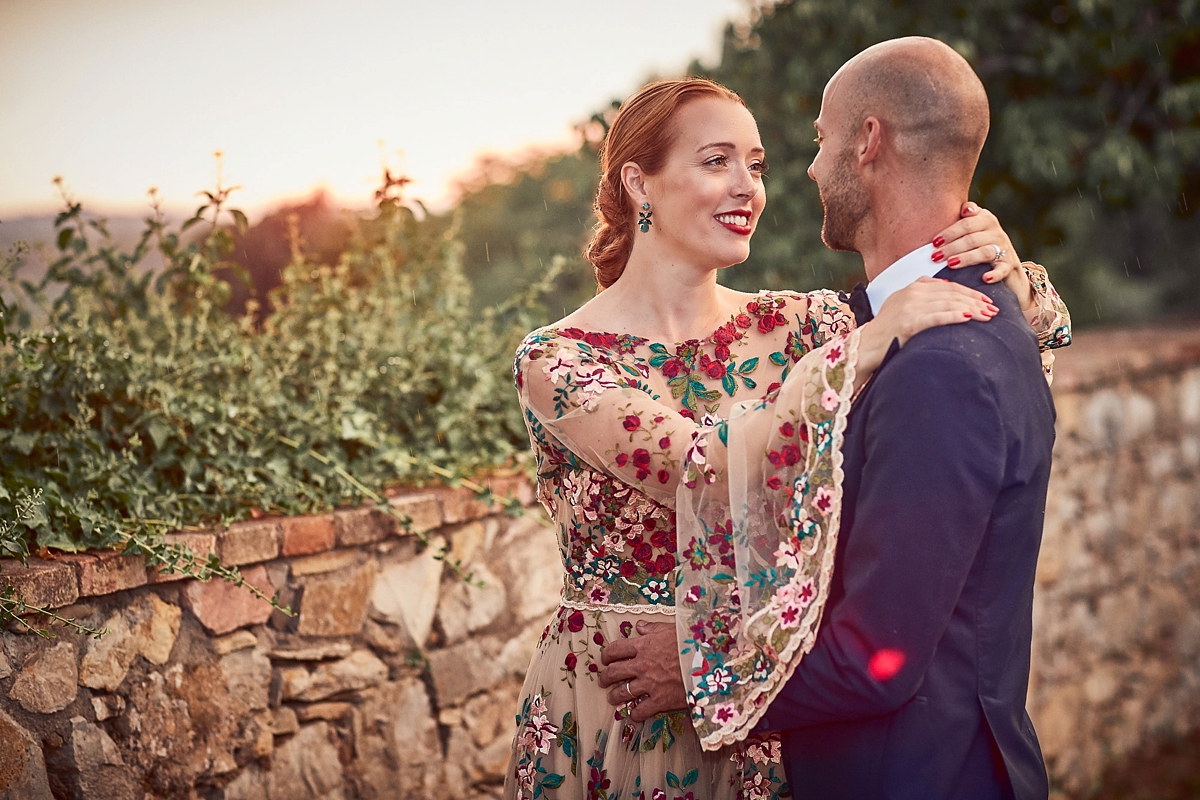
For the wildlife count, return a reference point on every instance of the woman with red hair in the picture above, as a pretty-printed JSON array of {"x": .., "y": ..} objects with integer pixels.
[{"x": 627, "y": 402}]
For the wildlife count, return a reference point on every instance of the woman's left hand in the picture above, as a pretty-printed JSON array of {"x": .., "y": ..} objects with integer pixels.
[{"x": 976, "y": 239}]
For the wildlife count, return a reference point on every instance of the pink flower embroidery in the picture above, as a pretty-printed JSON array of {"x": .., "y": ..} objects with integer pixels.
[
  {"x": 592, "y": 382},
  {"x": 824, "y": 500},
  {"x": 835, "y": 354},
  {"x": 725, "y": 713},
  {"x": 559, "y": 365}
]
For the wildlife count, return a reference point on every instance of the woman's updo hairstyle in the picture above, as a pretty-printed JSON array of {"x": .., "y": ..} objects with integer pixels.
[{"x": 641, "y": 133}]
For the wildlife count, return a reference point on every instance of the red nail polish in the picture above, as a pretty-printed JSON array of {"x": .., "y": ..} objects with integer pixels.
[
  {"x": 993, "y": 308},
  {"x": 938, "y": 242},
  {"x": 968, "y": 314},
  {"x": 987, "y": 278},
  {"x": 954, "y": 262},
  {"x": 938, "y": 255}
]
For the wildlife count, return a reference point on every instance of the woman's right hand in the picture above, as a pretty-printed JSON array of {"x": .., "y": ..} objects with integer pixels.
[{"x": 925, "y": 303}]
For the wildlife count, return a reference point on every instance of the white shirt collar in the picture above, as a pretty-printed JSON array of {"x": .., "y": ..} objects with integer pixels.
[{"x": 901, "y": 273}]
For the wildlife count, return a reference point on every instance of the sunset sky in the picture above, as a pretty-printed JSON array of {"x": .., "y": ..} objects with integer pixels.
[{"x": 120, "y": 95}]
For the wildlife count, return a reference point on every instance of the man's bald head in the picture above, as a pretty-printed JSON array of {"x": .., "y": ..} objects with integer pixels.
[{"x": 931, "y": 104}]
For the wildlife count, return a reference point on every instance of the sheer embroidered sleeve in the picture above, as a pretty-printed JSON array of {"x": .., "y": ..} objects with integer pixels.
[
  {"x": 757, "y": 540},
  {"x": 1048, "y": 316},
  {"x": 585, "y": 407}
]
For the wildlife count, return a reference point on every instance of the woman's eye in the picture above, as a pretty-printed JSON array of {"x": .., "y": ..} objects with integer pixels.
[
  {"x": 760, "y": 167},
  {"x": 716, "y": 161}
]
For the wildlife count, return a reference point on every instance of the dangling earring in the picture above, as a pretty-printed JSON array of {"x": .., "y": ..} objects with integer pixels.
[{"x": 644, "y": 218}]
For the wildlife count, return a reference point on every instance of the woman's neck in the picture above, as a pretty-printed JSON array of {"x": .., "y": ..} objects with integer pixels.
[{"x": 665, "y": 301}]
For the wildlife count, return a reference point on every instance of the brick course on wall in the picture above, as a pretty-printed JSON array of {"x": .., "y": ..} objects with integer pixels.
[{"x": 395, "y": 678}]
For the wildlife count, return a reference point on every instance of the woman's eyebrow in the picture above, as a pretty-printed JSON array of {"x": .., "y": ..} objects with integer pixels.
[{"x": 729, "y": 146}]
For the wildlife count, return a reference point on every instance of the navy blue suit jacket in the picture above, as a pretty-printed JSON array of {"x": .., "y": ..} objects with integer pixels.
[{"x": 915, "y": 687}]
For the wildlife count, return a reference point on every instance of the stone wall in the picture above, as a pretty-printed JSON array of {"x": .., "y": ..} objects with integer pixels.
[
  {"x": 397, "y": 679},
  {"x": 394, "y": 679},
  {"x": 1117, "y": 604}
]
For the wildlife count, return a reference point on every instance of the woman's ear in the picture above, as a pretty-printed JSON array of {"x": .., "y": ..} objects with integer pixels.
[{"x": 634, "y": 181}]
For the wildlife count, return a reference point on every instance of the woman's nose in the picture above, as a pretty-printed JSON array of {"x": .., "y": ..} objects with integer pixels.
[{"x": 746, "y": 185}]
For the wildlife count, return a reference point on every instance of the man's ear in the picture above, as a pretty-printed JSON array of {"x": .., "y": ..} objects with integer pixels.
[
  {"x": 870, "y": 141},
  {"x": 634, "y": 181}
]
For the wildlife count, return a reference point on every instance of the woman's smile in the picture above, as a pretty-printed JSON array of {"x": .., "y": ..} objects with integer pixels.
[{"x": 736, "y": 221}]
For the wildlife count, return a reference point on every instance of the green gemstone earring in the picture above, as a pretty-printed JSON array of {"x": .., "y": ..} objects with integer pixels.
[{"x": 644, "y": 218}]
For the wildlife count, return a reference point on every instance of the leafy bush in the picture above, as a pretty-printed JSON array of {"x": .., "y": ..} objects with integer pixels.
[{"x": 133, "y": 404}]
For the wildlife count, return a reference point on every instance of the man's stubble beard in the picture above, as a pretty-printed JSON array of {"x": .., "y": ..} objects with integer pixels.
[{"x": 846, "y": 205}]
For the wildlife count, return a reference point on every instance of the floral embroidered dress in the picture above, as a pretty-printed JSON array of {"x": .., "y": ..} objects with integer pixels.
[{"x": 741, "y": 432}]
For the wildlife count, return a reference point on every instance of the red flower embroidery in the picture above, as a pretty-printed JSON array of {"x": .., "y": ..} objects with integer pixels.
[
  {"x": 662, "y": 540},
  {"x": 791, "y": 454},
  {"x": 628, "y": 569},
  {"x": 664, "y": 442},
  {"x": 663, "y": 476},
  {"x": 773, "y": 482},
  {"x": 643, "y": 552},
  {"x": 571, "y": 661},
  {"x": 665, "y": 563},
  {"x": 641, "y": 458},
  {"x": 787, "y": 429},
  {"x": 632, "y": 422},
  {"x": 722, "y": 352},
  {"x": 743, "y": 320},
  {"x": 716, "y": 370},
  {"x": 766, "y": 324},
  {"x": 622, "y": 459},
  {"x": 673, "y": 366},
  {"x": 575, "y": 621}
]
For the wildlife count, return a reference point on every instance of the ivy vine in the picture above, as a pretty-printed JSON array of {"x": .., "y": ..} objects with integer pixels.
[{"x": 132, "y": 403}]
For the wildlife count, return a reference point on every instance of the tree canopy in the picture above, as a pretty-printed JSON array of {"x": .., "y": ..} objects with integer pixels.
[{"x": 1092, "y": 164}]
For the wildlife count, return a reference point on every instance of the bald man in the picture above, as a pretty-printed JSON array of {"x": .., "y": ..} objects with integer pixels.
[{"x": 915, "y": 686}]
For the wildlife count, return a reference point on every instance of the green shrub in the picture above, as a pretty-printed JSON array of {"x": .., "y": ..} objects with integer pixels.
[{"x": 133, "y": 404}]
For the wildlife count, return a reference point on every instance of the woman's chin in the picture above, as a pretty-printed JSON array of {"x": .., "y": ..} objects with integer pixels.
[{"x": 736, "y": 256}]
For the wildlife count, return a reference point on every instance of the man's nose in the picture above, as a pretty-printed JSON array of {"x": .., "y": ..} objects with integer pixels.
[{"x": 810, "y": 169}]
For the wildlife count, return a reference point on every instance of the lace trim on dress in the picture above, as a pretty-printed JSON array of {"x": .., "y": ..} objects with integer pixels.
[{"x": 621, "y": 608}]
